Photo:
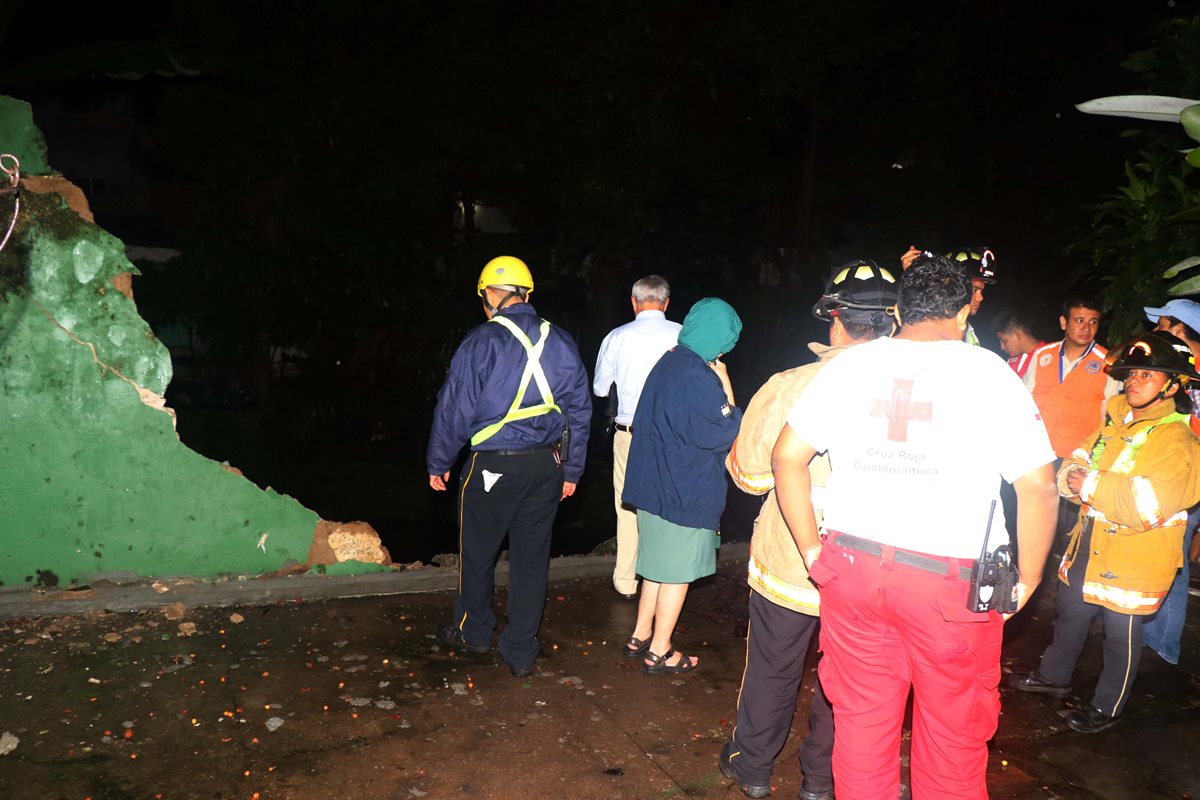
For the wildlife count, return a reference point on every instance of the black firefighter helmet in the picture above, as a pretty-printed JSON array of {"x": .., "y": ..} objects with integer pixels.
[
  {"x": 1156, "y": 350},
  {"x": 859, "y": 291},
  {"x": 977, "y": 262}
]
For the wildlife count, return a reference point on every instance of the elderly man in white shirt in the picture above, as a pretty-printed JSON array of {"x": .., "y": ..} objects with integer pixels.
[{"x": 626, "y": 357}]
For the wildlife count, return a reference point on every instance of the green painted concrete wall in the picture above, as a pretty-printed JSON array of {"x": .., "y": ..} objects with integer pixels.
[{"x": 92, "y": 480}]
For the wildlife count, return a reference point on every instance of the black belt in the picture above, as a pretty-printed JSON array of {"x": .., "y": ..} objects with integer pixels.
[
  {"x": 545, "y": 448},
  {"x": 932, "y": 564},
  {"x": 624, "y": 428}
]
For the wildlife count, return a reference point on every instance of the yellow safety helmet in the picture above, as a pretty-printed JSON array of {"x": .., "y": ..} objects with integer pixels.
[{"x": 505, "y": 271}]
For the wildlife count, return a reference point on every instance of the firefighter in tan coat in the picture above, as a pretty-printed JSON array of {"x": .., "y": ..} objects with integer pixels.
[
  {"x": 783, "y": 602},
  {"x": 1135, "y": 478}
]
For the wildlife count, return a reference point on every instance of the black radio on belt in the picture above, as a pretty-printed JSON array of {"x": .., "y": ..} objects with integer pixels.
[{"x": 993, "y": 578}]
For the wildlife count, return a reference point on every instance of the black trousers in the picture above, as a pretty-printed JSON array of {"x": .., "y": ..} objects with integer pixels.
[
  {"x": 776, "y": 648},
  {"x": 515, "y": 496},
  {"x": 1122, "y": 639}
]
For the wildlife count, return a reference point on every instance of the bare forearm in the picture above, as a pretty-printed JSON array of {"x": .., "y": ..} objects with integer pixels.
[
  {"x": 793, "y": 492},
  {"x": 1037, "y": 513}
]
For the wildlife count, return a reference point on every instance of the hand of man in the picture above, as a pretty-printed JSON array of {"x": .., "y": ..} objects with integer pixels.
[
  {"x": 1024, "y": 592},
  {"x": 1075, "y": 480},
  {"x": 438, "y": 482},
  {"x": 909, "y": 257},
  {"x": 811, "y": 555},
  {"x": 568, "y": 490}
]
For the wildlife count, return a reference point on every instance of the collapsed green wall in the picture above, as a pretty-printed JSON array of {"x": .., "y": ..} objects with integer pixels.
[{"x": 92, "y": 480}]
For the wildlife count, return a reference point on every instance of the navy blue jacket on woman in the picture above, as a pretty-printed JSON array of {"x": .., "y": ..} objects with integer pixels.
[
  {"x": 682, "y": 430},
  {"x": 484, "y": 376}
]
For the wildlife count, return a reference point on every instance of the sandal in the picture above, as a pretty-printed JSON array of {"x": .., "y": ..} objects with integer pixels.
[
  {"x": 635, "y": 647},
  {"x": 658, "y": 664}
]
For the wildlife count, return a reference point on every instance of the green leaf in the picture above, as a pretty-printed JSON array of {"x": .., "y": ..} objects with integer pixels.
[
  {"x": 1190, "y": 117},
  {"x": 1191, "y": 215},
  {"x": 1186, "y": 264},
  {"x": 1190, "y": 286},
  {"x": 1193, "y": 157},
  {"x": 1138, "y": 106}
]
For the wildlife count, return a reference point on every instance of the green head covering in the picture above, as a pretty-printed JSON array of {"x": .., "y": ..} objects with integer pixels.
[{"x": 710, "y": 328}]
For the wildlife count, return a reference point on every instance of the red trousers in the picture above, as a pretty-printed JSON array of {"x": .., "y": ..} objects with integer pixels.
[{"x": 886, "y": 626}]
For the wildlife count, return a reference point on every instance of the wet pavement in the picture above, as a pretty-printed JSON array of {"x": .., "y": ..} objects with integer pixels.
[{"x": 356, "y": 698}]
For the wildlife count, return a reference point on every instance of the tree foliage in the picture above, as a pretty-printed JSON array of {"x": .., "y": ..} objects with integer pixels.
[{"x": 1146, "y": 225}]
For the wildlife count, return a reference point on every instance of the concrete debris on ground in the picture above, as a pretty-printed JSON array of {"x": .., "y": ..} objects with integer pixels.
[{"x": 356, "y": 698}]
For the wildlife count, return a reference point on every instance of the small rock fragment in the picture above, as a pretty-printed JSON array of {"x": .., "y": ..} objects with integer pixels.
[
  {"x": 174, "y": 611},
  {"x": 187, "y": 629},
  {"x": 386, "y": 705},
  {"x": 112, "y": 636},
  {"x": 274, "y": 724},
  {"x": 160, "y": 587},
  {"x": 236, "y": 618},
  {"x": 8, "y": 743}
]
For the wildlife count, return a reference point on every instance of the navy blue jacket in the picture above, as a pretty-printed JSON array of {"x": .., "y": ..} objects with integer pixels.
[
  {"x": 484, "y": 376},
  {"x": 682, "y": 430}
]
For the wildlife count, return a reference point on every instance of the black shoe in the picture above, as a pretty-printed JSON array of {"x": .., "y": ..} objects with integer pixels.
[
  {"x": 631, "y": 596},
  {"x": 1089, "y": 720},
  {"x": 520, "y": 672},
  {"x": 807, "y": 792},
  {"x": 726, "y": 764},
  {"x": 452, "y": 637},
  {"x": 1035, "y": 683}
]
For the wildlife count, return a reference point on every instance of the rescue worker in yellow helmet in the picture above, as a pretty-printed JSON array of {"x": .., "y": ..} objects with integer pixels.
[
  {"x": 1135, "y": 479},
  {"x": 517, "y": 393}
]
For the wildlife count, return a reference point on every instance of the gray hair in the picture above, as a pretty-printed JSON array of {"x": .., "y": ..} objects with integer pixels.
[{"x": 651, "y": 289}]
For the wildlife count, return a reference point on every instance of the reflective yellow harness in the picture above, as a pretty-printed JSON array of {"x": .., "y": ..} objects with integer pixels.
[{"x": 534, "y": 371}]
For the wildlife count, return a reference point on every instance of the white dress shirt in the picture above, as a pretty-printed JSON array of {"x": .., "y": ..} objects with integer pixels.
[{"x": 628, "y": 354}]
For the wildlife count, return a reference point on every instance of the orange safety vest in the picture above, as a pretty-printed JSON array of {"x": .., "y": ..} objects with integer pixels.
[{"x": 1071, "y": 402}]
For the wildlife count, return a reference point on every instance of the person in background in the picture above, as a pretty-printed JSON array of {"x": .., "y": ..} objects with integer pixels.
[
  {"x": 685, "y": 423},
  {"x": 1069, "y": 385},
  {"x": 627, "y": 355},
  {"x": 517, "y": 393},
  {"x": 980, "y": 266},
  {"x": 784, "y": 603},
  {"x": 1016, "y": 340},
  {"x": 1134, "y": 478},
  {"x": 1163, "y": 630}
]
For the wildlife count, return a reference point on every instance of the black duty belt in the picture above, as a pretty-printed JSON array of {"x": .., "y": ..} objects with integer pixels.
[
  {"x": 623, "y": 428},
  {"x": 908, "y": 558},
  {"x": 545, "y": 448}
]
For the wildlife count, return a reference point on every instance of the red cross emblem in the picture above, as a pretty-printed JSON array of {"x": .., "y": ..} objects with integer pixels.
[{"x": 899, "y": 410}]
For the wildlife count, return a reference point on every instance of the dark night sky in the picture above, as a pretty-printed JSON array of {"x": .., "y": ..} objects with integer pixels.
[{"x": 317, "y": 163}]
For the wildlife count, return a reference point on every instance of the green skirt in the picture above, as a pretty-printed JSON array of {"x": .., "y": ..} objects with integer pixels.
[{"x": 670, "y": 553}]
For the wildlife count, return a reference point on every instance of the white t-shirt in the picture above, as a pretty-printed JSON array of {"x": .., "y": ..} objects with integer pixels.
[{"x": 918, "y": 435}]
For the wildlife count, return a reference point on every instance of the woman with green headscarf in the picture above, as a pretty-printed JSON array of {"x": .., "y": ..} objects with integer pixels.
[{"x": 685, "y": 423}]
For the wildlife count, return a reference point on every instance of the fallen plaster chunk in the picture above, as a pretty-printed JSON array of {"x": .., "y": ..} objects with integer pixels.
[
  {"x": 236, "y": 618},
  {"x": 334, "y": 542},
  {"x": 174, "y": 611},
  {"x": 8, "y": 743},
  {"x": 274, "y": 724}
]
